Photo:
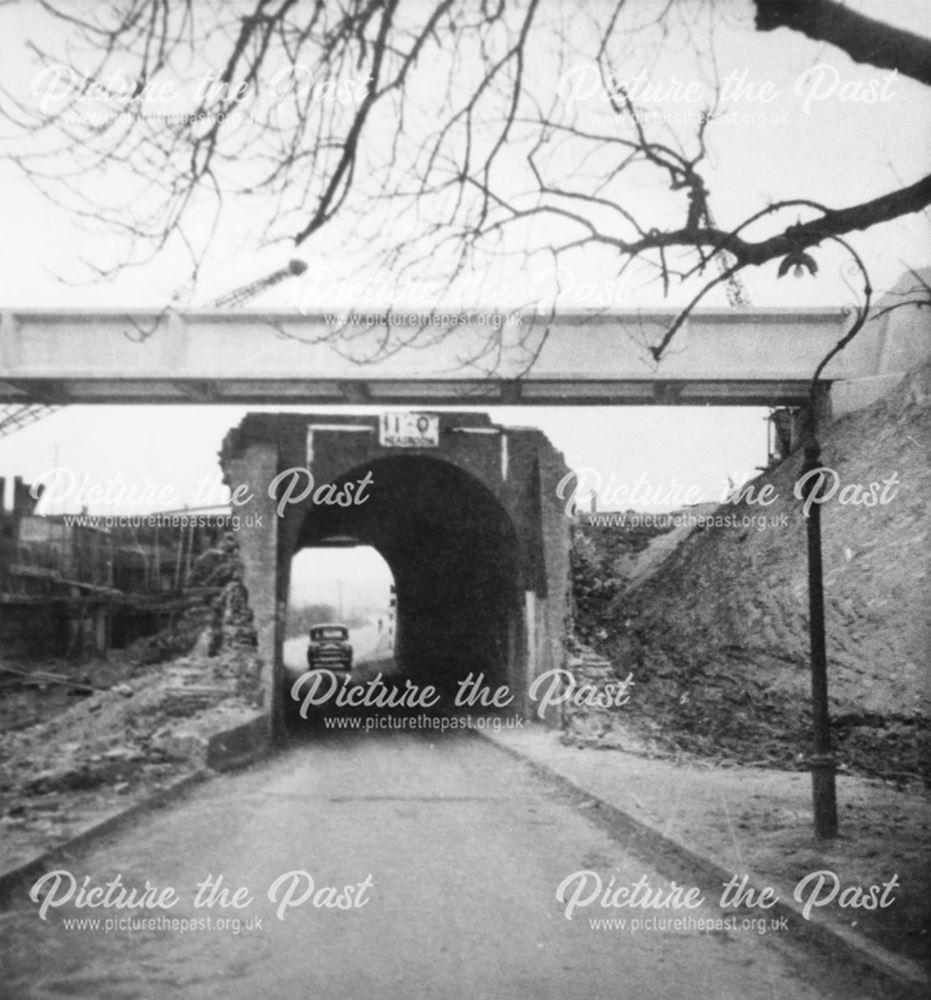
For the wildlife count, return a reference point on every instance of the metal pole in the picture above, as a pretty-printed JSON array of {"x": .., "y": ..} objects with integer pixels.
[{"x": 821, "y": 762}]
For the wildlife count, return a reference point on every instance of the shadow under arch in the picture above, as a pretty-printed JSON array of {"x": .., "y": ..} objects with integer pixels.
[{"x": 454, "y": 554}]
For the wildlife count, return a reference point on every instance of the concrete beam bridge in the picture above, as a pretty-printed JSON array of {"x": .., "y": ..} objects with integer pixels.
[{"x": 736, "y": 357}]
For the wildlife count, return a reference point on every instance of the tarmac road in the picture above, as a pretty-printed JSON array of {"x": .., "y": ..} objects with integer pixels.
[{"x": 435, "y": 861}]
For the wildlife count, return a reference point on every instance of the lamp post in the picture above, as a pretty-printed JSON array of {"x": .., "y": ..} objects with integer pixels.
[{"x": 821, "y": 760}]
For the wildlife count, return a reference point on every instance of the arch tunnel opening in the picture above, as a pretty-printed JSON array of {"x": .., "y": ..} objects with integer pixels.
[
  {"x": 341, "y": 581},
  {"x": 453, "y": 553}
]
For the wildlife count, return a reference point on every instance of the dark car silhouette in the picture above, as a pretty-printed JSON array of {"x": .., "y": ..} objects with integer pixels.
[{"x": 329, "y": 647}]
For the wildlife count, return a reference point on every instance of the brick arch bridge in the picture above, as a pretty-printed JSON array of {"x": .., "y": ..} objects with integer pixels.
[{"x": 469, "y": 524}]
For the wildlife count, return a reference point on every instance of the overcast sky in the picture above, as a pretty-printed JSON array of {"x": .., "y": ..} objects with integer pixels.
[{"x": 871, "y": 147}]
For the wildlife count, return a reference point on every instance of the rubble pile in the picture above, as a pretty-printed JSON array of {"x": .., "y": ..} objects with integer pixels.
[
  {"x": 591, "y": 717},
  {"x": 149, "y": 722},
  {"x": 602, "y": 560},
  {"x": 717, "y": 638},
  {"x": 216, "y": 626}
]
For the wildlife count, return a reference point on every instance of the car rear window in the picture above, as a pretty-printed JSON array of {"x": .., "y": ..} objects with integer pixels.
[{"x": 328, "y": 633}]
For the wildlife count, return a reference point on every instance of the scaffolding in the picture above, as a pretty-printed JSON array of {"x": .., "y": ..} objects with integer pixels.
[{"x": 15, "y": 416}]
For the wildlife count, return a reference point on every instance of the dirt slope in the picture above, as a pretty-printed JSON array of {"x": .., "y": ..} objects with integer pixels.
[{"x": 718, "y": 639}]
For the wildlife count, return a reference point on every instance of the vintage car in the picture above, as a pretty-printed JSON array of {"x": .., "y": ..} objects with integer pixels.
[{"x": 329, "y": 647}]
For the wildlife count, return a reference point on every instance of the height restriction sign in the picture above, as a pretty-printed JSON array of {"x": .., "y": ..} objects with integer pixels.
[{"x": 409, "y": 430}]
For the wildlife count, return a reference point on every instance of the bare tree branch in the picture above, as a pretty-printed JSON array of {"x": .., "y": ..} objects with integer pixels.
[
  {"x": 437, "y": 137},
  {"x": 864, "y": 39}
]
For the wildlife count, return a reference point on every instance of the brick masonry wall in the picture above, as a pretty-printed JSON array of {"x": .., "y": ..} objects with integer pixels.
[{"x": 266, "y": 444}]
